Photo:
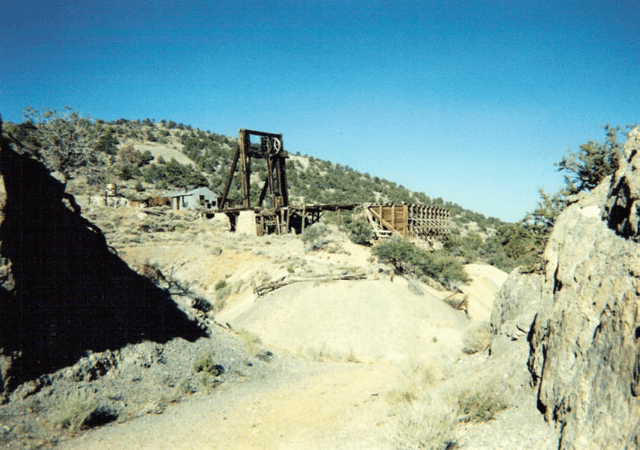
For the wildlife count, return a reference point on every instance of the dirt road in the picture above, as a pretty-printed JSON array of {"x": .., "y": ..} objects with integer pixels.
[{"x": 307, "y": 406}]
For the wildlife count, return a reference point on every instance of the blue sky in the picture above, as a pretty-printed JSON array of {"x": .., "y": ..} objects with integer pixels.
[{"x": 471, "y": 101}]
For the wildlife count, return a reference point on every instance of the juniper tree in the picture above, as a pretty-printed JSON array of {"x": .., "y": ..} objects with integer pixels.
[
  {"x": 592, "y": 163},
  {"x": 65, "y": 140}
]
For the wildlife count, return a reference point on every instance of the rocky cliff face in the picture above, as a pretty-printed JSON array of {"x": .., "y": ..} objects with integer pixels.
[
  {"x": 585, "y": 339},
  {"x": 63, "y": 291}
]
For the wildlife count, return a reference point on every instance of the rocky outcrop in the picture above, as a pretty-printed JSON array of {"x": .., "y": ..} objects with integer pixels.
[
  {"x": 622, "y": 210},
  {"x": 514, "y": 309},
  {"x": 63, "y": 291},
  {"x": 585, "y": 340}
]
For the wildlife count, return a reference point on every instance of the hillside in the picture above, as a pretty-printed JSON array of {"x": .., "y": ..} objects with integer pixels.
[
  {"x": 311, "y": 180},
  {"x": 148, "y": 159},
  {"x": 117, "y": 313}
]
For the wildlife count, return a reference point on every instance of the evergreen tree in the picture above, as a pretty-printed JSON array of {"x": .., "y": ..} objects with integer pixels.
[{"x": 592, "y": 163}]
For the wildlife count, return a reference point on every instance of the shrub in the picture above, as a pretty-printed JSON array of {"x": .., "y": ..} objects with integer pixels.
[
  {"x": 76, "y": 411},
  {"x": 126, "y": 173},
  {"x": 427, "y": 424},
  {"x": 146, "y": 157},
  {"x": 468, "y": 247},
  {"x": 107, "y": 143},
  {"x": 359, "y": 231},
  {"x": 186, "y": 388},
  {"x": 208, "y": 381},
  {"x": 220, "y": 302},
  {"x": 251, "y": 342},
  {"x": 416, "y": 378},
  {"x": 592, "y": 163},
  {"x": 407, "y": 258},
  {"x": 397, "y": 251},
  {"x": 314, "y": 236},
  {"x": 351, "y": 357},
  {"x": 129, "y": 156},
  {"x": 63, "y": 139},
  {"x": 204, "y": 363},
  {"x": 479, "y": 406},
  {"x": 440, "y": 266},
  {"x": 477, "y": 338}
]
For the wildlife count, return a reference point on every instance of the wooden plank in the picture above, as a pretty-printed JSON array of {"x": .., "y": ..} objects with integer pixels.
[
  {"x": 405, "y": 220},
  {"x": 393, "y": 217},
  {"x": 272, "y": 286}
]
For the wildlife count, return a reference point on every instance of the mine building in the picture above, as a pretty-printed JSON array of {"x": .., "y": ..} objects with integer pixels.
[
  {"x": 201, "y": 198},
  {"x": 273, "y": 214}
]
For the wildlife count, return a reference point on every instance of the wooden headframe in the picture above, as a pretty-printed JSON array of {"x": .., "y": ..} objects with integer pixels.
[{"x": 270, "y": 148}]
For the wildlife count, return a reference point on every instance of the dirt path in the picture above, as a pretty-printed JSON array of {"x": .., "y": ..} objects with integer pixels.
[{"x": 309, "y": 406}]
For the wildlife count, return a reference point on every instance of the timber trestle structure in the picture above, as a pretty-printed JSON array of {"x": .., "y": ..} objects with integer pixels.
[{"x": 430, "y": 223}]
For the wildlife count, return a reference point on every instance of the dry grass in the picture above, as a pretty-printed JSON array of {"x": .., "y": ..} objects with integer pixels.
[
  {"x": 352, "y": 358},
  {"x": 185, "y": 387},
  {"x": 426, "y": 424},
  {"x": 250, "y": 341},
  {"x": 75, "y": 410},
  {"x": 325, "y": 353},
  {"x": 427, "y": 407},
  {"x": 416, "y": 378}
]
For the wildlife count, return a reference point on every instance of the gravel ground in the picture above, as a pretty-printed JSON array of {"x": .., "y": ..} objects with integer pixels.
[{"x": 117, "y": 386}]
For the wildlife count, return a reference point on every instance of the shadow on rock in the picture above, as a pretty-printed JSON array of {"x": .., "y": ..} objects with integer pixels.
[{"x": 63, "y": 291}]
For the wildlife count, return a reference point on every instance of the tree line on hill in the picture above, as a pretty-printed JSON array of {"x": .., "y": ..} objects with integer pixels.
[{"x": 69, "y": 143}]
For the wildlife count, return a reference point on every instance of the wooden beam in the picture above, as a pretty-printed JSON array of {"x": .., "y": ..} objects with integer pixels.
[
  {"x": 246, "y": 194},
  {"x": 405, "y": 224},
  {"x": 383, "y": 222},
  {"x": 223, "y": 199},
  {"x": 281, "y": 170},
  {"x": 260, "y": 133},
  {"x": 304, "y": 218}
]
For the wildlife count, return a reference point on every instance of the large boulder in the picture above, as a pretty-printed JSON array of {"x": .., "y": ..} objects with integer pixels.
[{"x": 585, "y": 340}]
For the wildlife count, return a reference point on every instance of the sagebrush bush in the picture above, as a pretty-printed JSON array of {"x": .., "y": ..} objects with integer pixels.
[
  {"x": 204, "y": 363},
  {"x": 314, "y": 236},
  {"x": 426, "y": 424},
  {"x": 479, "y": 406},
  {"x": 407, "y": 258},
  {"x": 74, "y": 412},
  {"x": 185, "y": 387},
  {"x": 359, "y": 231},
  {"x": 416, "y": 378},
  {"x": 252, "y": 342},
  {"x": 477, "y": 338}
]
